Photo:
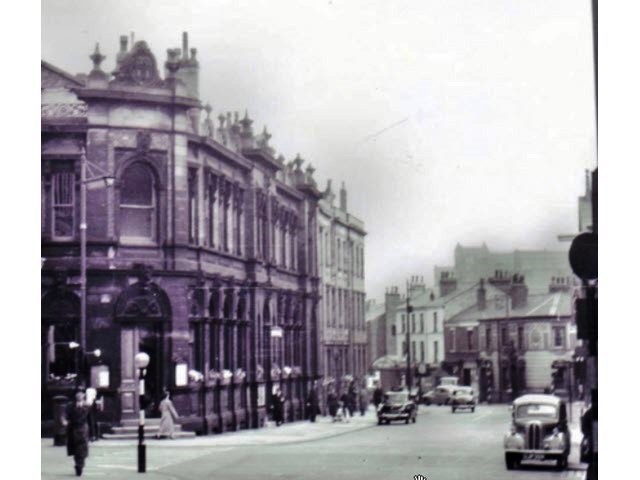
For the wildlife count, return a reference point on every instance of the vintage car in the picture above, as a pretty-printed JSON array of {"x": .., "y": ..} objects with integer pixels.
[
  {"x": 439, "y": 396},
  {"x": 463, "y": 398},
  {"x": 397, "y": 406},
  {"x": 539, "y": 431}
]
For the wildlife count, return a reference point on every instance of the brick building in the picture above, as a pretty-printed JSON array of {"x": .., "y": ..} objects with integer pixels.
[
  {"x": 512, "y": 341},
  {"x": 342, "y": 337},
  {"x": 203, "y": 254}
]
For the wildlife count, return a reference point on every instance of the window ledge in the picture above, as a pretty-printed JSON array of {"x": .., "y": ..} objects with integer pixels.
[{"x": 137, "y": 242}]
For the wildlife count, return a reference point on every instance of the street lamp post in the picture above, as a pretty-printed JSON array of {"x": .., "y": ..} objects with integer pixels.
[
  {"x": 84, "y": 181},
  {"x": 408, "y": 340},
  {"x": 141, "y": 362}
]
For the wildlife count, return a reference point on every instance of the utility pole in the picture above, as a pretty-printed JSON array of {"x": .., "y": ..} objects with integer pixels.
[{"x": 408, "y": 340}]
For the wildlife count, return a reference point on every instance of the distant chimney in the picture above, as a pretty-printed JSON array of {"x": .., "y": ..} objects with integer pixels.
[
  {"x": 482, "y": 296},
  {"x": 124, "y": 40},
  {"x": 185, "y": 45},
  {"x": 392, "y": 301},
  {"x": 343, "y": 198},
  {"x": 518, "y": 292},
  {"x": 448, "y": 283}
]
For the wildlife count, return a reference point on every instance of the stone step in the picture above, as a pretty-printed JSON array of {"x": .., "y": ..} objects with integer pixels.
[
  {"x": 147, "y": 428},
  {"x": 134, "y": 436},
  {"x": 133, "y": 422}
]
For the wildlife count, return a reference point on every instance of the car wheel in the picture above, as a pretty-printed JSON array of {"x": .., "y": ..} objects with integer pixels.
[
  {"x": 509, "y": 461},
  {"x": 562, "y": 463},
  {"x": 406, "y": 421},
  {"x": 414, "y": 419},
  {"x": 387, "y": 422},
  {"x": 446, "y": 402},
  {"x": 379, "y": 421},
  {"x": 453, "y": 409},
  {"x": 427, "y": 402},
  {"x": 473, "y": 409}
]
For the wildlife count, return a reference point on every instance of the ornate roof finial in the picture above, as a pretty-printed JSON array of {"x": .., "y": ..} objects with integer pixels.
[
  {"x": 96, "y": 57},
  {"x": 221, "y": 119},
  {"x": 310, "y": 169},
  {"x": 246, "y": 121},
  {"x": 208, "y": 109},
  {"x": 298, "y": 161}
]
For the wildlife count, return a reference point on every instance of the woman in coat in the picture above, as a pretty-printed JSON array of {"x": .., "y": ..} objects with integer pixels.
[
  {"x": 78, "y": 431},
  {"x": 278, "y": 408},
  {"x": 332, "y": 403},
  {"x": 168, "y": 415},
  {"x": 364, "y": 401}
]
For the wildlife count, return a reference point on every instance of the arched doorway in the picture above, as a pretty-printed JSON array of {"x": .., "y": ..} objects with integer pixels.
[{"x": 143, "y": 312}]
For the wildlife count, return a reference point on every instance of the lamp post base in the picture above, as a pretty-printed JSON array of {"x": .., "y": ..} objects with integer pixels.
[{"x": 142, "y": 458}]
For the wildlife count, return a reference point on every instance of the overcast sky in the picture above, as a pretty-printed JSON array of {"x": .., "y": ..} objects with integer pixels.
[{"x": 489, "y": 103}]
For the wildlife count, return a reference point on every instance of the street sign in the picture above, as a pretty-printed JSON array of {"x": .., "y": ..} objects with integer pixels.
[{"x": 583, "y": 256}]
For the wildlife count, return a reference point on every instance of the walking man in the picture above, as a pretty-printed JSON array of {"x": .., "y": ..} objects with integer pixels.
[
  {"x": 313, "y": 403},
  {"x": 78, "y": 431}
]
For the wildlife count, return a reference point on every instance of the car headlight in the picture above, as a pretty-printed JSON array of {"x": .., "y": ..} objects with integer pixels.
[{"x": 514, "y": 441}]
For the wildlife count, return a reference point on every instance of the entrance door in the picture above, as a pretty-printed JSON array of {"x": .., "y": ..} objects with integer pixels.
[{"x": 146, "y": 338}]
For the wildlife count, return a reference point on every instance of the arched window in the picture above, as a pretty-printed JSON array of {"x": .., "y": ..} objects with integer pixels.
[{"x": 138, "y": 203}]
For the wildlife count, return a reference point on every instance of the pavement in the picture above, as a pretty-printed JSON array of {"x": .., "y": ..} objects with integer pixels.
[{"x": 441, "y": 445}]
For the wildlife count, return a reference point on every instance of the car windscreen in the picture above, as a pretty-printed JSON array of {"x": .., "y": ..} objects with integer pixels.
[
  {"x": 396, "y": 397},
  {"x": 463, "y": 392},
  {"x": 536, "y": 410}
]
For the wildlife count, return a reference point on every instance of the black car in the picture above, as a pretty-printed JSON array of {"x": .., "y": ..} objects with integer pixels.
[{"x": 397, "y": 406}]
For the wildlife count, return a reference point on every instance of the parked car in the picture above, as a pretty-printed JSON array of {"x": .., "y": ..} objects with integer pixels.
[
  {"x": 397, "y": 406},
  {"x": 439, "y": 396},
  {"x": 463, "y": 398},
  {"x": 539, "y": 431}
]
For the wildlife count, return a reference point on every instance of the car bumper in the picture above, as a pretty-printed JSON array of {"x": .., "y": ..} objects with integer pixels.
[
  {"x": 543, "y": 454},
  {"x": 394, "y": 416}
]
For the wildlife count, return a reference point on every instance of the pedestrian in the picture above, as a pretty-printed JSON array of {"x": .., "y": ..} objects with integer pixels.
[
  {"x": 377, "y": 396},
  {"x": 353, "y": 398},
  {"x": 332, "y": 403},
  {"x": 168, "y": 415},
  {"x": 278, "y": 408},
  {"x": 93, "y": 413},
  {"x": 78, "y": 431},
  {"x": 313, "y": 403},
  {"x": 364, "y": 401},
  {"x": 345, "y": 404}
]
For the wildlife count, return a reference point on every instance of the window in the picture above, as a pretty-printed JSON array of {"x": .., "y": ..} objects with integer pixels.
[
  {"x": 435, "y": 352},
  {"x": 393, "y": 330},
  {"x": 138, "y": 203},
  {"x": 211, "y": 233},
  {"x": 469, "y": 339},
  {"x": 521, "y": 337},
  {"x": 488, "y": 338},
  {"x": 558, "y": 336},
  {"x": 404, "y": 326},
  {"x": 435, "y": 322},
  {"x": 421, "y": 323},
  {"x": 64, "y": 187},
  {"x": 193, "y": 205},
  {"x": 195, "y": 339},
  {"x": 505, "y": 336},
  {"x": 413, "y": 322},
  {"x": 62, "y": 359},
  {"x": 238, "y": 206},
  {"x": 422, "y": 351},
  {"x": 413, "y": 350}
]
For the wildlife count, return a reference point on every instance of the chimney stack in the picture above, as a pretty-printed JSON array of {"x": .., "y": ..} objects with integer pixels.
[
  {"x": 343, "y": 198},
  {"x": 518, "y": 292},
  {"x": 482, "y": 296},
  {"x": 185, "y": 45},
  {"x": 448, "y": 283}
]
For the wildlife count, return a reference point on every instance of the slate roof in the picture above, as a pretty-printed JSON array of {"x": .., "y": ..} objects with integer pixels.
[{"x": 541, "y": 305}]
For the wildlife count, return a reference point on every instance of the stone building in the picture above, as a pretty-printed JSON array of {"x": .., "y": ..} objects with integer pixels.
[
  {"x": 343, "y": 335},
  {"x": 473, "y": 263},
  {"x": 511, "y": 341},
  {"x": 203, "y": 253}
]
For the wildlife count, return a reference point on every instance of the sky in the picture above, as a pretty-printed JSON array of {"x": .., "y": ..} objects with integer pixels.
[{"x": 450, "y": 121}]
